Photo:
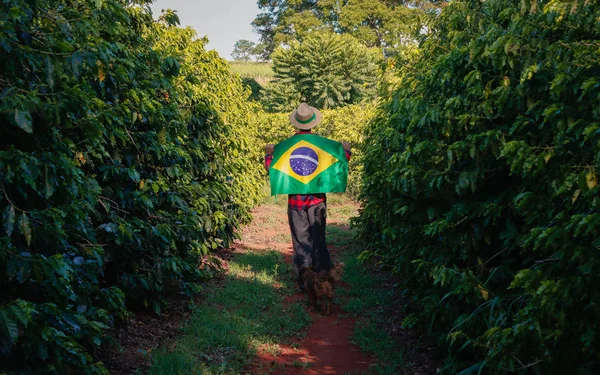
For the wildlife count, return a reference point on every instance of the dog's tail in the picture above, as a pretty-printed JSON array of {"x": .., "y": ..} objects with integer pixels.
[
  {"x": 337, "y": 270},
  {"x": 306, "y": 272}
]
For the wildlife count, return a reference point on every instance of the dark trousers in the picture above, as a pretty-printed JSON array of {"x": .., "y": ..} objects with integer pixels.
[{"x": 308, "y": 237}]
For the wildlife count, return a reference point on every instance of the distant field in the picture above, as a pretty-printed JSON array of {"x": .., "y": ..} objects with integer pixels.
[{"x": 260, "y": 71}]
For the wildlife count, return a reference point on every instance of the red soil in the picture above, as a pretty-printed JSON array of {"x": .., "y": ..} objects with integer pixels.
[{"x": 326, "y": 349}]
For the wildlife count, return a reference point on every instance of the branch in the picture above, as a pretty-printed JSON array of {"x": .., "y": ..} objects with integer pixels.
[
  {"x": 134, "y": 144},
  {"x": 9, "y": 201},
  {"x": 115, "y": 207}
]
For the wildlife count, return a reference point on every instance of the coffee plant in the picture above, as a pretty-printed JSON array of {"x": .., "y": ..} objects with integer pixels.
[
  {"x": 125, "y": 157},
  {"x": 481, "y": 185}
]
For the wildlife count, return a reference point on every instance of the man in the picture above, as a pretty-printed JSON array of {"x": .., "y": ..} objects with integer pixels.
[{"x": 307, "y": 212}]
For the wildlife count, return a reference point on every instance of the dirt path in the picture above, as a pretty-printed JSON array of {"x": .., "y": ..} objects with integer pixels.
[
  {"x": 326, "y": 348},
  {"x": 251, "y": 320}
]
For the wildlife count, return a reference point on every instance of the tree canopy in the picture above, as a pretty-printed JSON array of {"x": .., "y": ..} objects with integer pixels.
[
  {"x": 326, "y": 70},
  {"x": 243, "y": 50},
  {"x": 376, "y": 23}
]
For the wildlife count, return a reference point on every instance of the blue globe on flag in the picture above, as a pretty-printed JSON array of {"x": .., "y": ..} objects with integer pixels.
[{"x": 304, "y": 161}]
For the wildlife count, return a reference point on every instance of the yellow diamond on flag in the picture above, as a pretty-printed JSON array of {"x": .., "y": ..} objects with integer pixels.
[{"x": 304, "y": 161}]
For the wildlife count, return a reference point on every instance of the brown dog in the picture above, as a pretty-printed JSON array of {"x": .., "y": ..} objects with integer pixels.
[{"x": 320, "y": 286}]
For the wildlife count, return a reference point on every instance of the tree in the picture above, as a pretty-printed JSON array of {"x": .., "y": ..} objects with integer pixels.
[
  {"x": 279, "y": 97},
  {"x": 378, "y": 23},
  {"x": 260, "y": 52},
  {"x": 269, "y": 23},
  {"x": 375, "y": 23},
  {"x": 243, "y": 49},
  {"x": 326, "y": 70}
]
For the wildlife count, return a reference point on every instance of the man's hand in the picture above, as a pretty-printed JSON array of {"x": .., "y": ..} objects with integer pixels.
[
  {"x": 346, "y": 145},
  {"x": 269, "y": 149}
]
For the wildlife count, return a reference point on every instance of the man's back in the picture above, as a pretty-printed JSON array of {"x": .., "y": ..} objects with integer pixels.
[{"x": 302, "y": 201}]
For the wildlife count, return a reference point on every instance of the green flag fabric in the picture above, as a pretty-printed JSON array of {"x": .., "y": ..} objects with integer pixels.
[{"x": 308, "y": 164}]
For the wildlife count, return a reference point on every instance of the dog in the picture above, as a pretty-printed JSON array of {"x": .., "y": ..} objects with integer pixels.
[{"x": 320, "y": 286}]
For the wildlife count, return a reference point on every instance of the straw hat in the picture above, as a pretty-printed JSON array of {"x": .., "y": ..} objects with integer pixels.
[{"x": 305, "y": 117}]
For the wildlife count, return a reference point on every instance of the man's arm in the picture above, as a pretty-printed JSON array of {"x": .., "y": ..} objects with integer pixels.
[
  {"x": 269, "y": 149},
  {"x": 346, "y": 146}
]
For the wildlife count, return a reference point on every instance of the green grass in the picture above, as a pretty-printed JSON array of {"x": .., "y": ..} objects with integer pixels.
[
  {"x": 260, "y": 71},
  {"x": 282, "y": 238},
  {"x": 343, "y": 212},
  {"x": 271, "y": 222},
  {"x": 247, "y": 314},
  {"x": 366, "y": 293},
  {"x": 302, "y": 364},
  {"x": 372, "y": 339},
  {"x": 268, "y": 199},
  {"x": 339, "y": 199},
  {"x": 278, "y": 200},
  {"x": 237, "y": 319},
  {"x": 365, "y": 299},
  {"x": 336, "y": 235}
]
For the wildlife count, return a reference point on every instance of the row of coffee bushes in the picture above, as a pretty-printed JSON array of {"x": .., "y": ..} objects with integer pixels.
[
  {"x": 123, "y": 161},
  {"x": 481, "y": 185}
]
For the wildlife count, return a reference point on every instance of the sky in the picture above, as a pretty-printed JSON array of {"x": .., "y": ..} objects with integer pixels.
[{"x": 223, "y": 21}]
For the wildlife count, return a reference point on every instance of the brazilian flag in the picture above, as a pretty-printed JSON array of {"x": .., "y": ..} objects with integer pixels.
[{"x": 308, "y": 164}]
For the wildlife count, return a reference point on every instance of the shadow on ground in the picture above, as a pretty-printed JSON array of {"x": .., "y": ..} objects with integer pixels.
[{"x": 245, "y": 315}]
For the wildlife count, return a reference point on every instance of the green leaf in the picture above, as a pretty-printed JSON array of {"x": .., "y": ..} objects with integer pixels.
[
  {"x": 9, "y": 326},
  {"x": 476, "y": 368},
  {"x": 23, "y": 119},
  {"x": 49, "y": 72},
  {"x": 156, "y": 307},
  {"x": 64, "y": 46},
  {"x": 22, "y": 311},
  {"x": 42, "y": 351},
  {"x": 430, "y": 213},
  {"x": 97, "y": 340},
  {"x": 76, "y": 63},
  {"x": 48, "y": 187},
  {"x": 162, "y": 136},
  {"x": 473, "y": 152},
  {"x": 575, "y": 196},
  {"x": 25, "y": 228},
  {"x": 155, "y": 187},
  {"x": 134, "y": 175},
  {"x": 590, "y": 179},
  {"x": 8, "y": 219}
]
